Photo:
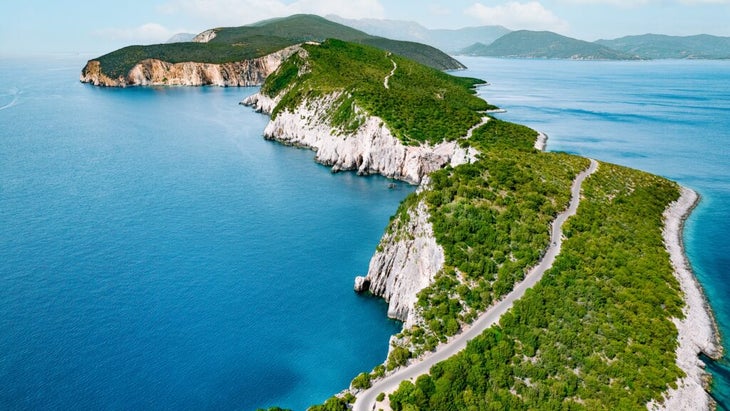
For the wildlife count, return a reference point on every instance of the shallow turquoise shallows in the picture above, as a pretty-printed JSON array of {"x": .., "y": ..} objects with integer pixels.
[
  {"x": 157, "y": 253},
  {"x": 666, "y": 117}
]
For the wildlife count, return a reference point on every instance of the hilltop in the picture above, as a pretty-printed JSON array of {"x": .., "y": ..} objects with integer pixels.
[
  {"x": 239, "y": 48},
  {"x": 545, "y": 44},
  {"x": 658, "y": 46}
]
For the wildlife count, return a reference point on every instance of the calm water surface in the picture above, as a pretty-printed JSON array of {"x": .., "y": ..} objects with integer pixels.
[
  {"x": 157, "y": 253},
  {"x": 667, "y": 117}
]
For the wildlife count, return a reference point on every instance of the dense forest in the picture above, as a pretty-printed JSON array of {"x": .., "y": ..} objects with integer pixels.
[{"x": 595, "y": 333}]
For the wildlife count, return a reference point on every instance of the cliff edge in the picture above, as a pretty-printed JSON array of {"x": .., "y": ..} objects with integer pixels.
[{"x": 155, "y": 72}]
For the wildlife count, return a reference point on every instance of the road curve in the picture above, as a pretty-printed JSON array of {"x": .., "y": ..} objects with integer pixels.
[{"x": 366, "y": 399}]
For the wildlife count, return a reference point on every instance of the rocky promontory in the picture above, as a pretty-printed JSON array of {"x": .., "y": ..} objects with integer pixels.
[
  {"x": 406, "y": 262},
  {"x": 155, "y": 72},
  {"x": 370, "y": 149}
]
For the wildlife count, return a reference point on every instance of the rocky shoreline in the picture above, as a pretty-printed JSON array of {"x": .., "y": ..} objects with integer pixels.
[
  {"x": 370, "y": 149},
  {"x": 697, "y": 331}
]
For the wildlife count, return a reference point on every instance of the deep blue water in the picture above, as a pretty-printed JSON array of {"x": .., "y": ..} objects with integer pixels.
[
  {"x": 157, "y": 253},
  {"x": 668, "y": 117}
]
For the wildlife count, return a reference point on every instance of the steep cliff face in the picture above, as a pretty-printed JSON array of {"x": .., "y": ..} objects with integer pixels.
[
  {"x": 153, "y": 72},
  {"x": 406, "y": 262},
  {"x": 370, "y": 149}
]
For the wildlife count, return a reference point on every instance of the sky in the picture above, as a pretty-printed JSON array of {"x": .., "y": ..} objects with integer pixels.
[{"x": 42, "y": 27}]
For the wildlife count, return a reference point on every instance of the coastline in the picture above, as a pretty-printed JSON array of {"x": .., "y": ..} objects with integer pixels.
[{"x": 697, "y": 331}]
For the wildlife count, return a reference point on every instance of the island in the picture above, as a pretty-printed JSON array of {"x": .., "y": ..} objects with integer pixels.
[
  {"x": 545, "y": 45},
  {"x": 569, "y": 271}
]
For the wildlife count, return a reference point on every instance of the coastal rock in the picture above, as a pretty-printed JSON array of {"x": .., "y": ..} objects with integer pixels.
[
  {"x": 362, "y": 284},
  {"x": 697, "y": 332},
  {"x": 370, "y": 149},
  {"x": 205, "y": 36},
  {"x": 153, "y": 72},
  {"x": 406, "y": 262}
]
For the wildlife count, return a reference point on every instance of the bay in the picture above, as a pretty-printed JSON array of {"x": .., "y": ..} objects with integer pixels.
[{"x": 157, "y": 253}]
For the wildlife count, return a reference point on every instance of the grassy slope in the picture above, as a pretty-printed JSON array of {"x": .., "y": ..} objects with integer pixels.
[
  {"x": 421, "y": 104},
  {"x": 239, "y": 43},
  {"x": 545, "y": 44}
]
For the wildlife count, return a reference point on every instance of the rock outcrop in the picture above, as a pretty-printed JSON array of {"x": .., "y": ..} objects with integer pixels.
[
  {"x": 153, "y": 72},
  {"x": 406, "y": 262},
  {"x": 205, "y": 36},
  {"x": 370, "y": 149}
]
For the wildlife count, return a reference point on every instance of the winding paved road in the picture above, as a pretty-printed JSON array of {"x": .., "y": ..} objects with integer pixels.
[{"x": 366, "y": 399}]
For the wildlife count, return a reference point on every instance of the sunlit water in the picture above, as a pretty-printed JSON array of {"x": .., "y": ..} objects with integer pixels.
[
  {"x": 667, "y": 117},
  {"x": 157, "y": 253}
]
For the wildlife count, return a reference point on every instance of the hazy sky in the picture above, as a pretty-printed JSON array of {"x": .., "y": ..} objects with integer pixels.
[{"x": 48, "y": 26}]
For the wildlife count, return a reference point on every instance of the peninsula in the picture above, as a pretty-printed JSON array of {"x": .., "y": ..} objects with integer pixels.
[
  {"x": 238, "y": 56},
  {"x": 616, "y": 321}
]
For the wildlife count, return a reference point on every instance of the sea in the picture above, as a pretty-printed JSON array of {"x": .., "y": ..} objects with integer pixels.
[{"x": 157, "y": 252}]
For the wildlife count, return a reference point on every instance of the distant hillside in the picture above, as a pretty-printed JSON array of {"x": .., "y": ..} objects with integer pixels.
[
  {"x": 181, "y": 38},
  {"x": 658, "y": 46},
  {"x": 233, "y": 44},
  {"x": 450, "y": 41},
  {"x": 306, "y": 27},
  {"x": 545, "y": 44}
]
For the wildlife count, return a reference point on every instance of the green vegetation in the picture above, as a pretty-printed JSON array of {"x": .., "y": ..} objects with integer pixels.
[
  {"x": 492, "y": 219},
  {"x": 595, "y": 333},
  {"x": 232, "y": 44},
  {"x": 334, "y": 404},
  {"x": 420, "y": 105},
  {"x": 545, "y": 44}
]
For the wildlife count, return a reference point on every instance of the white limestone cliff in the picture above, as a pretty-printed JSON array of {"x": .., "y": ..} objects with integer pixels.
[
  {"x": 154, "y": 72},
  {"x": 205, "y": 36},
  {"x": 371, "y": 148},
  {"x": 406, "y": 262}
]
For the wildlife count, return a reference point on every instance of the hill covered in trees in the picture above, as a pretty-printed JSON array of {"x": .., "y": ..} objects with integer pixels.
[{"x": 234, "y": 44}]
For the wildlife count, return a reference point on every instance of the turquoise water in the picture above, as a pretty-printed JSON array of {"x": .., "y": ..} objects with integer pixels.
[
  {"x": 667, "y": 117},
  {"x": 157, "y": 253}
]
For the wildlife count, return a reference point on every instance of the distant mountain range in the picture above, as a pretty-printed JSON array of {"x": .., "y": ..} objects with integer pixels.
[
  {"x": 658, "y": 46},
  {"x": 498, "y": 41},
  {"x": 450, "y": 41},
  {"x": 545, "y": 44}
]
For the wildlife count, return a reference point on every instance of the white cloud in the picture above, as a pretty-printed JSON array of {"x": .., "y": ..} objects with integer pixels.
[
  {"x": 239, "y": 12},
  {"x": 145, "y": 34},
  {"x": 514, "y": 15}
]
